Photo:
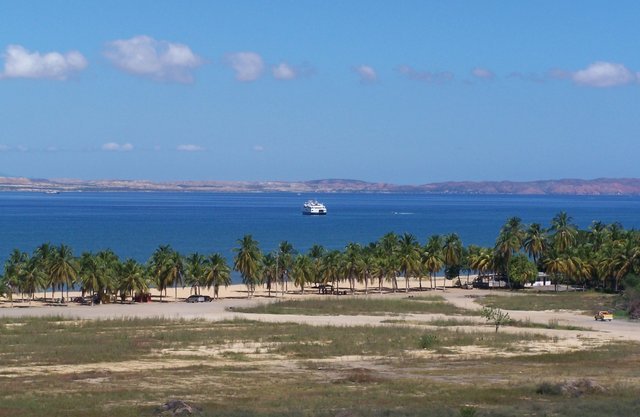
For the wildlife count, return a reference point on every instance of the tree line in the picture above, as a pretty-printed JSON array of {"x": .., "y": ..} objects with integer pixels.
[{"x": 601, "y": 256}]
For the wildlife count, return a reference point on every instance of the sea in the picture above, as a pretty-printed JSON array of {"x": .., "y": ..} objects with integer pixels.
[{"x": 134, "y": 224}]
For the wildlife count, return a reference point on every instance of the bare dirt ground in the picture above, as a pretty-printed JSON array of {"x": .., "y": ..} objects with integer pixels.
[{"x": 223, "y": 309}]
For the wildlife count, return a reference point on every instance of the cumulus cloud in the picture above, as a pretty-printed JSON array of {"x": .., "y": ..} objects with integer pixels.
[
  {"x": 425, "y": 76},
  {"x": 159, "y": 60},
  {"x": 190, "y": 148},
  {"x": 113, "y": 146},
  {"x": 483, "y": 73},
  {"x": 248, "y": 66},
  {"x": 366, "y": 73},
  {"x": 20, "y": 63},
  {"x": 604, "y": 74},
  {"x": 284, "y": 71}
]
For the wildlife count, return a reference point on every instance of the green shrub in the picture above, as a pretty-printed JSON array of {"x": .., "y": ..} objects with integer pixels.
[
  {"x": 547, "y": 388},
  {"x": 428, "y": 341}
]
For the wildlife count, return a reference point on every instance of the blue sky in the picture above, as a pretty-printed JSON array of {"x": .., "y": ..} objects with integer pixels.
[{"x": 407, "y": 92}]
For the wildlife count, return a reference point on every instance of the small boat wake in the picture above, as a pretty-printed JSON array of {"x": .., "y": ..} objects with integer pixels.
[{"x": 402, "y": 213}]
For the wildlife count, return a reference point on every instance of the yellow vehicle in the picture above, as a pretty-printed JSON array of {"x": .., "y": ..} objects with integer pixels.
[{"x": 604, "y": 315}]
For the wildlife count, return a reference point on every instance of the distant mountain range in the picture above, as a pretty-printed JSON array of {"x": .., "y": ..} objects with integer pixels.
[{"x": 601, "y": 186}]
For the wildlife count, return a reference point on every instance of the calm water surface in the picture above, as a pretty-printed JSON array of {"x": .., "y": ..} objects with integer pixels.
[{"x": 134, "y": 224}]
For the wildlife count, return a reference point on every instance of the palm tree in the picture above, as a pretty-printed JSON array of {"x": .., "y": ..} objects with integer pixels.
[
  {"x": 408, "y": 257},
  {"x": 174, "y": 270},
  {"x": 557, "y": 266},
  {"x": 157, "y": 266},
  {"x": 432, "y": 258},
  {"x": 302, "y": 271},
  {"x": 217, "y": 273},
  {"x": 285, "y": 262},
  {"x": 89, "y": 275},
  {"x": 535, "y": 242},
  {"x": 108, "y": 264},
  {"x": 64, "y": 268},
  {"x": 270, "y": 271},
  {"x": 195, "y": 271},
  {"x": 379, "y": 269},
  {"x": 132, "y": 279},
  {"x": 316, "y": 253},
  {"x": 451, "y": 254},
  {"x": 33, "y": 278},
  {"x": 13, "y": 271},
  {"x": 563, "y": 233},
  {"x": 388, "y": 247},
  {"x": 599, "y": 235},
  {"x": 352, "y": 255},
  {"x": 331, "y": 268},
  {"x": 44, "y": 255},
  {"x": 247, "y": 262},
  {"x": 509, "y": 241},
  {"x": 625, "y": 260},
  {"x": 482, "y": 261}
]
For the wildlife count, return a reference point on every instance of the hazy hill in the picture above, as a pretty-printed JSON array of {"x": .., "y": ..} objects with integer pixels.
[{"x": 601, "y": 186}]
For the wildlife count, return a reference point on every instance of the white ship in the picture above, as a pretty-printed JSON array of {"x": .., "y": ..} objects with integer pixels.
[{"x": 314, "y": 208}]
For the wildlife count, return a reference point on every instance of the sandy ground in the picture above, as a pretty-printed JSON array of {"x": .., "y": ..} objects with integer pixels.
[{"x": 235, "y": 296}]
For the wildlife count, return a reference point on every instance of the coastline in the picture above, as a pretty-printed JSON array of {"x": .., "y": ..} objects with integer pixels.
[{"x": 583, "y": 187}]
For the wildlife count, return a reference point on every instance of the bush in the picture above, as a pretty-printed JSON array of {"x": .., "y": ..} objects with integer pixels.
[
  {"x": 547, "y": 388},
  {"x": 428, "y": 341},
  {"x": 468, "y": 411},
  {"x": 495, "y": 316}
]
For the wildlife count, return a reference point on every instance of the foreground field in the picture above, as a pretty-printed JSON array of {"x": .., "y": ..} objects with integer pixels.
[{"x": 408, "y": 364}]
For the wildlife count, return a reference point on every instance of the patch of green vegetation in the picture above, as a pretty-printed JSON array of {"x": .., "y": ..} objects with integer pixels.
[
  {"x": 360, "y": 306},
  {"x": 588, "y": 301}
]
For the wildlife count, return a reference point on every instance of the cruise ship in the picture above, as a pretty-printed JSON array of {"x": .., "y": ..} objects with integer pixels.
[{"x": 313, "y": 207}]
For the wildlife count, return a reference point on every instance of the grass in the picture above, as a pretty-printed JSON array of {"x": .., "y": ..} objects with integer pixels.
[
  {"x": 247, "y": 368},
  {"x": 587, "y": 301},
  {"x": 360, "y": 306}
]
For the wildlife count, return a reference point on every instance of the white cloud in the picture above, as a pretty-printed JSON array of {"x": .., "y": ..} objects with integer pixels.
[
  {"x": 20, "y": 63},
  {"x": 248, "y": 66},
  {"x": 483, "y": 73},
  {"x": 22, "y": 148},
  {"x": 258, "y": 148},
  {"x": 425, "y": 76},
  {"x": 4, "y": 148},
  {"x": 113, "y": 146},
  {"x": 366, "y": 73},
  {"x": 190, "y": 148},
  {"x": 604, "y": 74},
  {"x": 284, "y": 71},
  {"x": 159, "y": 60}
]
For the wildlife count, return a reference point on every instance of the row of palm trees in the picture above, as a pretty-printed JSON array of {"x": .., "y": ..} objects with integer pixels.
[
  {"x": 105, "y": 275},
  {"x": 600, "y": 256}
]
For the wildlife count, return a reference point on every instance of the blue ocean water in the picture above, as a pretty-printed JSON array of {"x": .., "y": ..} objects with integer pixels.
[{"x": 134, "y": 224}]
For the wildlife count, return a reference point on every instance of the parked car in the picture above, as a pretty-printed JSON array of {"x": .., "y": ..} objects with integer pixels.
[
  {"x": 198, "y": 299},
  {"x": 604, "y": 315}
]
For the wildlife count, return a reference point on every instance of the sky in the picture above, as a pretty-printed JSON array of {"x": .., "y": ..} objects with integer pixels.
[{"x": 405, "y": 92}]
